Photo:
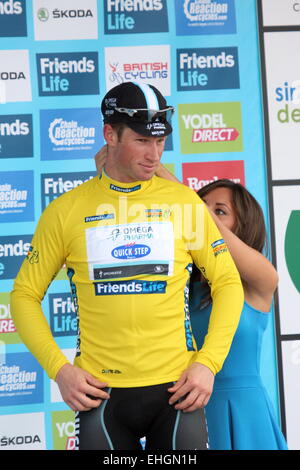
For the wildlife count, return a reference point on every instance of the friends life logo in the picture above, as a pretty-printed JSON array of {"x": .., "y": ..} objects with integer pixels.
[
  {"x": 207, "y": 69},
  {"x": 143, "y": 16},
  {"x": 13, "y": 251},
  {"x": 16, "y": 196},
  {"x": 72, "y": 73},
  {"x": 205, "y": 17},
  {"x": 210, "y": 127},
  {"x": 55, "y": 184},
  {"x": 287, "y": 95},
  {"x": 16, "y": 136},
  {"x": 63, "y": 315},
  {"x": 70, "y": 133},
  {"x": 13, "y": 18}
]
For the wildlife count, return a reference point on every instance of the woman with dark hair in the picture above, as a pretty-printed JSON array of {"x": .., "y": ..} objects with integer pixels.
[{"x": 239, "y": 414}]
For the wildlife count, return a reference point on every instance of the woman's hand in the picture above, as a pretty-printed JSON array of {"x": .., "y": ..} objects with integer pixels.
[{"x": 100, "y": 158}]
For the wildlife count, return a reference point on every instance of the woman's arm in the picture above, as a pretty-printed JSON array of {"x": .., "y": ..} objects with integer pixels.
[
  {"x": 259, "y": 276},
  {"x": 162, "y": 172}
]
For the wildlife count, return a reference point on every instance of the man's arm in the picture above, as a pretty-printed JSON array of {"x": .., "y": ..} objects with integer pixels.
[{"x": 44, "y": 260}]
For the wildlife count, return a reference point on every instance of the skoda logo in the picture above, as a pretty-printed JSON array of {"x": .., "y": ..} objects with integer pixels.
[{"x": 43, "y": 14}]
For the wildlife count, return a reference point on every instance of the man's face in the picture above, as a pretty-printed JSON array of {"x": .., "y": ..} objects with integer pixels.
[{"x": 135, "y": 157}]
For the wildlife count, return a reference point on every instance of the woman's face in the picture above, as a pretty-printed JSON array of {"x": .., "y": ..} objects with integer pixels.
[{"x": 219, "y": 201}]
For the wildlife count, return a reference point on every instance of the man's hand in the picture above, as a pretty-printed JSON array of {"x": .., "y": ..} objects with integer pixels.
[
  {"x": 77, "y": 385},
  {"x": 194, "y": 387}
]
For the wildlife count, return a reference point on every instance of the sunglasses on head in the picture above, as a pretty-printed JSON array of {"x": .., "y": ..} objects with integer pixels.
[{"x": 149, "y": 115}]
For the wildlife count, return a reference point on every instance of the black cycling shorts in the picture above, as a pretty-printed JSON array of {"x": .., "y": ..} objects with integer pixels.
[{"x": 134, "y": 413}]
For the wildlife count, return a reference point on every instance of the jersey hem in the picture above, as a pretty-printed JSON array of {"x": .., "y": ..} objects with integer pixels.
[{"x": 142, "y": 383}]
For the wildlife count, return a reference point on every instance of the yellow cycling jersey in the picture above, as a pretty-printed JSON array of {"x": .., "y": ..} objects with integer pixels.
[{"x": 128, "y": 250}]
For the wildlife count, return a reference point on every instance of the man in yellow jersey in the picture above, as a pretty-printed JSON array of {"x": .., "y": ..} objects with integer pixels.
[{"x": 129, "y": 239}]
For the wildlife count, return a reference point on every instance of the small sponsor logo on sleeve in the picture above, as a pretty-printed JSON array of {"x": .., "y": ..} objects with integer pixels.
[{"x": 219, "y": 246}]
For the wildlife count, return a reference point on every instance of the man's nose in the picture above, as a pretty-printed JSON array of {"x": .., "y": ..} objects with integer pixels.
[{"x": 154, "y": 152}]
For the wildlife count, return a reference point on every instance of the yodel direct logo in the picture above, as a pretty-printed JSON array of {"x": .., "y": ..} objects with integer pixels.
[
  {"x": 135, "y": 16},
  {"x": 73, "y": 73},
  {"x": 210, "y": 127},
  {"x": 207, "y": 69}
]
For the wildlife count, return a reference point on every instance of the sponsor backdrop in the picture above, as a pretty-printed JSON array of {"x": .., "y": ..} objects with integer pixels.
[
  {"x": 279, "y": 25},
  {"x": 57, "y": 59}
]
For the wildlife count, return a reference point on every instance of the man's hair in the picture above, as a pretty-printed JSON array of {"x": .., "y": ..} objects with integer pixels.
[{"x": 119, "y": 128}]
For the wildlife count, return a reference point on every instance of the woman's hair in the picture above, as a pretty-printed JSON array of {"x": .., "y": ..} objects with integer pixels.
[{"x": 250, "y": 224}]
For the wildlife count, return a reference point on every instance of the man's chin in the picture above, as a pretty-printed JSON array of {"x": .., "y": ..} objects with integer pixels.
[{"x": 146, "y": 175}]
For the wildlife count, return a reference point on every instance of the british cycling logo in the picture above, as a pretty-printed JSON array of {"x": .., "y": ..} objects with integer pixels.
[
  {"x": 70, "y": 73},
  {"x": 13, "y": 18},
  {"x": 206, "y": 17},
  {"x": 16, "y": 136},
  {"x": 144, "y": 16},
  {"x": 125, "y": 64}
]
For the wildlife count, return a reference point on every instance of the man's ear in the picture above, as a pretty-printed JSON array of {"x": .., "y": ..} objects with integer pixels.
[{"x": 110, "y": 135}]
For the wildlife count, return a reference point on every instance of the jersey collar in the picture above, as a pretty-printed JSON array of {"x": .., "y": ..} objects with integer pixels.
[{"x": 126, "y": 189}]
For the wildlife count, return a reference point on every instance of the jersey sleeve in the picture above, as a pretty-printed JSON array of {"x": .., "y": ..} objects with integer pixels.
[
  {"x": 216, "y": 264},
  {"x": 44, "y": 259}
]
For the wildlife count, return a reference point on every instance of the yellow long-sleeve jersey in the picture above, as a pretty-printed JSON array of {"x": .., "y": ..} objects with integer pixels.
[{"x": 128, "y": 250}]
